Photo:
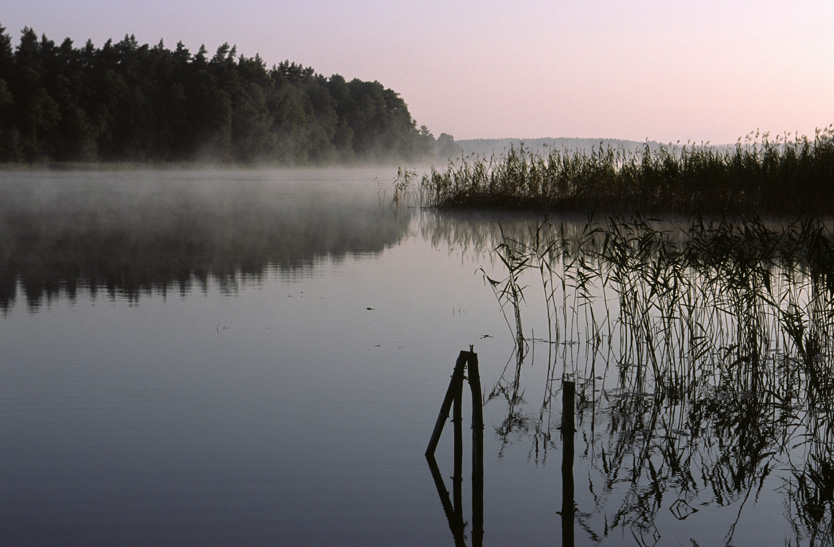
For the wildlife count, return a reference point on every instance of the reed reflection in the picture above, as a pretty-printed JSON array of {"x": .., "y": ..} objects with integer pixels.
[{"x": 703, "y": 367}]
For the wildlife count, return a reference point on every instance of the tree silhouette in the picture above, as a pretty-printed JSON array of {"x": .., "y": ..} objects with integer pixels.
[{"x": 128, "y": 101}]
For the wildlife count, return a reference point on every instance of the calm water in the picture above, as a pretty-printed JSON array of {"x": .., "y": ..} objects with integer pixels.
[{"x": 259, "y": 358}]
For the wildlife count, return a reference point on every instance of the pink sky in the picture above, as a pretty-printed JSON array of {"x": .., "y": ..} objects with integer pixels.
[{"x": 662, "y": 70}]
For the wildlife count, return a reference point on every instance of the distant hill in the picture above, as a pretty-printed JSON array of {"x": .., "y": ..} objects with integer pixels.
[{"x": 488, "y": 147}]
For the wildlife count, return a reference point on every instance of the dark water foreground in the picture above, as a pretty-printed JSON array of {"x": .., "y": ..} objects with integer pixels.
[{"x": 259, "y": 358}]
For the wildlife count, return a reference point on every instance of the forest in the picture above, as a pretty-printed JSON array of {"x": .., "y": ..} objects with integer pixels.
[{"x": 126, "y": 102}]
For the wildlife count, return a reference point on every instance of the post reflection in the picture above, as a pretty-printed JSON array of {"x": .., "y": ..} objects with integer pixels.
[
  {"x": 568, "y": 430},
  {"x": 454, "y": 514}
]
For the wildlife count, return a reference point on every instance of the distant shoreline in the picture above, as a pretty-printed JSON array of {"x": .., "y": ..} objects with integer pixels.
[{"x": 498, "y": 147}]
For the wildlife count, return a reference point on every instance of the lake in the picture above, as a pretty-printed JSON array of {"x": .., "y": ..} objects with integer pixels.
[{"x": 259, "y": 357}]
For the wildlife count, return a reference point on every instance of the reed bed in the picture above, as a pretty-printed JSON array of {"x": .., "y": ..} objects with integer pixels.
[{"x": 758, "y": 174}]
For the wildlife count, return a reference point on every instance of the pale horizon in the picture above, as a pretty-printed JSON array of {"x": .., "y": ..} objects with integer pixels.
[{"x": 700, "y": 72}]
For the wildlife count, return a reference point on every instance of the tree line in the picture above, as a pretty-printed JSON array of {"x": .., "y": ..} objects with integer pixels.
[{"x": 130, "y": 102}]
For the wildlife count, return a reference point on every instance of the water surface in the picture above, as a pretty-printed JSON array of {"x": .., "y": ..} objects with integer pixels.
[{"x": 259, "y": 357}]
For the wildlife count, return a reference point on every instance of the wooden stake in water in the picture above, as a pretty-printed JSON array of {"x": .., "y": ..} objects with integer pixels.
[
  {"x": 477, "y": 450},
  {"x": 454, "y": 395},
  {"x": 455, "y": 385},
  {"x": 457, "y": 478}
]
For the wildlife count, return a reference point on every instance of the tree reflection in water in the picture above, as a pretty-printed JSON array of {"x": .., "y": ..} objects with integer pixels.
[{"x": 128, "y": 233}]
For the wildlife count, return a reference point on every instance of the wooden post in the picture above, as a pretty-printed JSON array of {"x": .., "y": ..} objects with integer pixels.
[
  {"x": 568, "y": 430},
  {"x": 568, "y": 396},
  {"x": 457, "y": 478},
  {"x": 454, "y": 387},
  {"x": 477, "y": 450},
  {"x": 454, "y": 395}
]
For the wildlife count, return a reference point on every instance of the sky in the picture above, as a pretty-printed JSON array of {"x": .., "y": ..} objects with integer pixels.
[{"x": 664, "y": 70}]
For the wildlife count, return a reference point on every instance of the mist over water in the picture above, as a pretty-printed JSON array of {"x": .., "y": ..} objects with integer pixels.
[{"x": 128, "y": 232}]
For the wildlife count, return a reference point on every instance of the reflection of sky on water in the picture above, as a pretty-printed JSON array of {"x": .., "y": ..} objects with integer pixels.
[
  {"x": 287, "y": 412},
  {"x": 291, "y": 410}
]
